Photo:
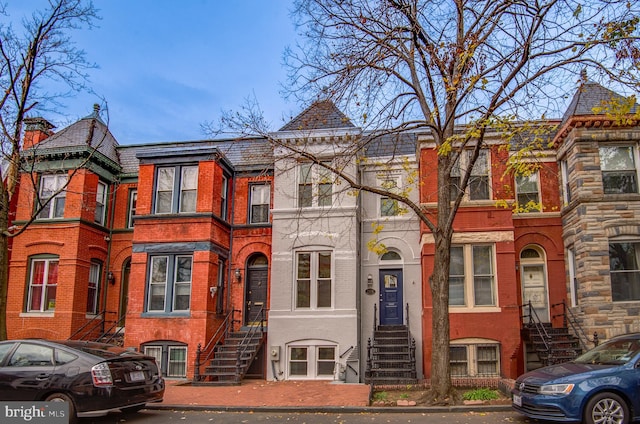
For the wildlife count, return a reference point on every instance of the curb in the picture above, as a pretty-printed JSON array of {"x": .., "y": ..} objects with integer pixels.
[{"x": 337, "y": 409}]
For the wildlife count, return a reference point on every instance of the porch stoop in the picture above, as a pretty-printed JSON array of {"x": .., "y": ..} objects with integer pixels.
[{"x": 391, "y": 356}]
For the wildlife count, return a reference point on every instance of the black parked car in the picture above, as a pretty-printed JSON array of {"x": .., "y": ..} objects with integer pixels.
[{"x": 93, "y": 378}]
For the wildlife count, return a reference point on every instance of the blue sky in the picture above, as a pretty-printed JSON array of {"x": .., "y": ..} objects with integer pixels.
[{"x": 166, "y": 66}]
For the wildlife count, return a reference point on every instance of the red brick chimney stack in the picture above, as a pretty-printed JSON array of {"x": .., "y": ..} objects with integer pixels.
[{"x": 36, "y": 130}]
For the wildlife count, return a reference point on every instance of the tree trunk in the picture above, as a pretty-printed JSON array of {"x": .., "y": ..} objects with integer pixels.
[
  {"x": 441, "y": 386},
  {"x": 4, "y": 259}
]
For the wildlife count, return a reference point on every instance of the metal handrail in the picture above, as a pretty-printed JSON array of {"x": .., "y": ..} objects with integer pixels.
[
  {"x": 244, "y": 344},
  {"x": 221, "y": 333},
  {"x": 115, "y": 333},
  {"x": 534, "y": 321},
  {"x": 97, "y": 321},
  {"x": 570, "y": 320}
]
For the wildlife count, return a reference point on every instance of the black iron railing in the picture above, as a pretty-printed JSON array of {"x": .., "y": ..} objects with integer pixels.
[
  {"x": 255, "y": 330},
  {"x": 221, "y": 333},
  {"x": 535, "y": 324},
  {"x": 569, "y": 320}
]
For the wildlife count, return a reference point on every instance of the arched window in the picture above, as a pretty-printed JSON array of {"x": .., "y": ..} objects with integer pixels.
[{"x": 391, "y": 256}]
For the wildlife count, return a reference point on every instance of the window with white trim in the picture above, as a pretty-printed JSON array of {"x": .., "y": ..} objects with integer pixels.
[
  {"x": 315, "y": 186},
  {"x": 169, "y": 282},
  {"x": 177, "y": 362},
  {"x": 170, "y": 356},
  {"x": 259, "y": 203},
  {"x": 474, "y": 360},
  {"x": 176, "y": 189},
  {"x": 472, "y": 276},
  {"x": 624, "y": 266},
  {"x": 478, "y": 187},
  {"x": 573, "y": 280},
  {"x": 528, "y": 193},
  {"x": 618, "y": 167},
  {"x": 133, "y": 201},
  {"x": 313, "y": 280},
  {"x": 52, "y": 190},
  {"x": 566, "y": 188},
  {"x": 389, "y": 206},
  {"x": 43, "y": 284},
  {"x": 224, "y": 192},
  {"x": 312, "y": 361},
  {"x": 93, "y": 286},
  {"x": 101, "y": 203}
]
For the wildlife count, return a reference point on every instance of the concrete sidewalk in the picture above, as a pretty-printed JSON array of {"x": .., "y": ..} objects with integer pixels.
[{"x": 296, "y": 396}]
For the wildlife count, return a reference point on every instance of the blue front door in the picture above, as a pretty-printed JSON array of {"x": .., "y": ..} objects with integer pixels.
[{"x": 391, "y": 297}]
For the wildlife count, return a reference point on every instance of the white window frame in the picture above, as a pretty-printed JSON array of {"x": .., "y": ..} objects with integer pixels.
[
  {"x": 224, "y": 204},
  {"x": 133, "y": 200},
  {"x": 391, "y": 183},
  {"x": 530, "y": 196},
  {"x": 312, "y": 360},
  {"x": 168, "y": 286},
  {"x": 472, "y": 360},
  {"x": 314, "y": 279},
  {"x": 260, "y": 196},
  {"x": 46, "y": 287},
  {"x": 476, "y": 172},
  {"x": 101, "y": 202},
  {"x": 93, "y": 287},
  {"x": 620, "y": 172},
  {"x": 49, "y": 185},
  {"x": 573, "y": 281},
  {"x": 181, "y": 364},
  {"x": 618, "y": 270},
  {"x": 176, "y": 184},
  {"x": 471, "y": 278},
  {"x": 566, "y": 188},
  {"x": 319, "y": 180}
]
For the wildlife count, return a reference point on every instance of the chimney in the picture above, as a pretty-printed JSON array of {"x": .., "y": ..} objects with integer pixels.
[{"x": 36, "y": 130}]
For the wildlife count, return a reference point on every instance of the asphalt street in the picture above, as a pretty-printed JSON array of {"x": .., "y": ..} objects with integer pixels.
[{"x": 223, "y": 417}]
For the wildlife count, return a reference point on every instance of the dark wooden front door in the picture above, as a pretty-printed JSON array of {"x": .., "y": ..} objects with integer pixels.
[
  {"x": 256, "y": 298},
  {"x": 391, "y": 297}
]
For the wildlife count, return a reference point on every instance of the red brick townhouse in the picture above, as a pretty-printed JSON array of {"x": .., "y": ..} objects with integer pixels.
[
  {"x": 503, "y": 256},
  {"x": 152, "y": 246}
]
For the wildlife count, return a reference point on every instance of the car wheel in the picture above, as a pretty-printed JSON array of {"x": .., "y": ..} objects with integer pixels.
[
  {"x": 61, "y": 397},
  {"x": 606, "y": 408},
  {"x": 132, "y": 409}
]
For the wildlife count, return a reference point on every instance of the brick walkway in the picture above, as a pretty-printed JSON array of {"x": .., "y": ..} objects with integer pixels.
[{"x": 260, "y": 393}]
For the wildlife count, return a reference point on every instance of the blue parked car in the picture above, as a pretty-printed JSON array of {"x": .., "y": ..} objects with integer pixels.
[{"x": 600, "y": 386}]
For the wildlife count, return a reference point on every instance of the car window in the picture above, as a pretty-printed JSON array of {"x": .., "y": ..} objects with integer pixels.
[
  {"x": 63, "y": 357},
  {"x": 5, "y": 348},
  {"x": 31, "y": 355},
  {"x": 614, "y": 352}
]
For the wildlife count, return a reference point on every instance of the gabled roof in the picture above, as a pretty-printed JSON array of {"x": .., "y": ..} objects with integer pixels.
[
  {"x": 321, "y": 115},
  {"x": 590, "y": 95},
  {"x": 89, "y": 131}
]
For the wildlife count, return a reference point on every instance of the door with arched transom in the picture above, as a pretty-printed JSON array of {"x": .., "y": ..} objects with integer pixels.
[
  {"x": 533, "y": 278},
  {"x": 256, "y": 288}
]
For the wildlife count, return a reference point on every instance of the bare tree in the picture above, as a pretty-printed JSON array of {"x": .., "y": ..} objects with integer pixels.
[
  {"x": 452, "y": 69},
  {"x": 42, "y": 52}
]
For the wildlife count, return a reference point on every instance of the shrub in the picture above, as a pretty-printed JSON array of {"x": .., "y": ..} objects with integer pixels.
[{"x": 481, "y": 394}]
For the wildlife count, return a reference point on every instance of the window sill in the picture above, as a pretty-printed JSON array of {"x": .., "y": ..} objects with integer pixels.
[
  {"x": 185, "y": 314},
  {"x": 36, "y": 314},
  {"x": 474, "y": 310}
]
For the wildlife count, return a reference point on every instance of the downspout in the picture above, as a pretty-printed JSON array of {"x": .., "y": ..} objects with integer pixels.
[
  {"x": 109, "y": 239},
  {"x": 232, "y": 227}
]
